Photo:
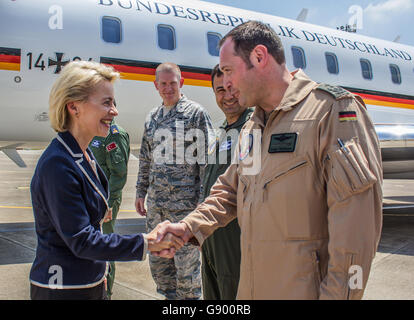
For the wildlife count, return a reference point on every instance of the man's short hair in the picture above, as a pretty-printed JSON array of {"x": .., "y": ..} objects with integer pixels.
[
  {"x": 216, "y": 72},
  {"x": 76, "y": 82},
  {"x": 168, "y": 67},
  {"x": 251, "y": 34}
]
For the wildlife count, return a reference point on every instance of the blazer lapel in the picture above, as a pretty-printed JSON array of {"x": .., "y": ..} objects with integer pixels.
[
  {"x": 102, "y": 182},
  {"x": 75, "y": 151}
]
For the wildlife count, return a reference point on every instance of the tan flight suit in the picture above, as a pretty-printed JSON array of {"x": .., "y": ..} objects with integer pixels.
[{"x": 311, "y": 215}]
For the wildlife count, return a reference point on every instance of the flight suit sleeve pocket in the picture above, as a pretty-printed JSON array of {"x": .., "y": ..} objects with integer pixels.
[
  {"x": 118, "y": 164},
  {"x": 116, "y": 156},
  {"x": 350, "y": 172}
]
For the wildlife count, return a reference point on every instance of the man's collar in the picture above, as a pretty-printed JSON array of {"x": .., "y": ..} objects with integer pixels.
[
  {"x": 179, "y": 107},
  {"x": 299, "y": 88},
  {"x": 240, "y": 121}
]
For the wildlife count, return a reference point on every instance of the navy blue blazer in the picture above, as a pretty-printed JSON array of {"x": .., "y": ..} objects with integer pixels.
[{"x": 69, "y": 204}]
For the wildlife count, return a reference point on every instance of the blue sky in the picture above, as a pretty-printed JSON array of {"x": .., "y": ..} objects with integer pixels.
[{"x": 384, "y": 19}]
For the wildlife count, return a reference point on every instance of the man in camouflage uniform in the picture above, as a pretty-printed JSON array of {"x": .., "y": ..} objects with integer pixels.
[
  {"x": 221, "y": 251},
  {"x": 171, "y": 167},
  {"x": 112, "y": 154}
]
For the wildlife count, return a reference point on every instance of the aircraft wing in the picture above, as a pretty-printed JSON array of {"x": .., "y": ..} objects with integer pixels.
[{"x": 11, "y": 152}]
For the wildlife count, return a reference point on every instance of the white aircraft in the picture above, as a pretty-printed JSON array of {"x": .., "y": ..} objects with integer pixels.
[{"x": 39, "y": 37}]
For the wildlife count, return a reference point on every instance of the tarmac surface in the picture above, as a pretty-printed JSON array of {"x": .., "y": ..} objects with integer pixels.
[{"x": 391, "y": 277}]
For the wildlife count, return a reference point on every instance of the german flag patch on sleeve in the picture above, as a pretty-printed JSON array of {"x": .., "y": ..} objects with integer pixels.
[{"x": 347, "y": 116}]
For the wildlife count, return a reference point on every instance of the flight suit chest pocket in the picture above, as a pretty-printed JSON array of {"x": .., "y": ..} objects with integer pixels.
[
  {"x": 117, "y": 163},
  {"x": 116, "y": 155},
  {"x": 284, "y": 170},
  {"x": 349, "y": 171},
  {"x": 291, "y": 203}
]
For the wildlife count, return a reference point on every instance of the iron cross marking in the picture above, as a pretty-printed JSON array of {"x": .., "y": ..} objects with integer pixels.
[{"x": 58, "y": 62}]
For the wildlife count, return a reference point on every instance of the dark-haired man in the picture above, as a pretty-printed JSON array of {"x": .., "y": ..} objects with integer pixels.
[
  {"x": 310, "y": 211},
  {"x": 221, "y": 251}
]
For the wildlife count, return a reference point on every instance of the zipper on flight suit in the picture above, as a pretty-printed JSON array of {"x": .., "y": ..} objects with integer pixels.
[
  {"x": 317, "y": 270},
  {"x": 298, "y": 165}
]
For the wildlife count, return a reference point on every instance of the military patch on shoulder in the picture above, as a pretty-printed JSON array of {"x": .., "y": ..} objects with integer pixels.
[
  {"x": 347, "y": 116},
  {"x": 111, "y": 146},
  {"x": 246, "y": 145},
  {"x": 95, "y": 143},
  {"x": 114, "y": 129},
  {"x": 226, "y": 145},
  {"x": 337, "y": 92}
]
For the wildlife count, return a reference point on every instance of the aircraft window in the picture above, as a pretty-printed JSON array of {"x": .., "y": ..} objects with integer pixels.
[
  {"x": 332, "y": 62},
  {"x": 366, "y": 69},
  {"x": 166, "y": 37},
  {"x": 213, "y": 40},
  {"x": 111, "y": 29},
  {"x": 395, "y": 73},
  {"x": 299, "y": 60}
]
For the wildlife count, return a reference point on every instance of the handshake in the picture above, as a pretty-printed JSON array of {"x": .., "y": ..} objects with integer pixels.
[{"x": 167, "y": 238}]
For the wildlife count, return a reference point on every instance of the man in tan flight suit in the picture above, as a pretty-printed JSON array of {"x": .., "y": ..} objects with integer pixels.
[{"x": 307, "y": 187}]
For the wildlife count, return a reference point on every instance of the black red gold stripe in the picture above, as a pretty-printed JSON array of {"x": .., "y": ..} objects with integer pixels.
[
  {"x": 145, "y": 71},
  {"x": 384, "y": 99},
  {"x": 387, "y": 101},
  {"x": 10, "y": 59}
]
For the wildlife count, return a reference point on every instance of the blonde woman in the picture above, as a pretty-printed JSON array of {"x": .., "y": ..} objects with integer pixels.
[{"x": 70, "y": 191}]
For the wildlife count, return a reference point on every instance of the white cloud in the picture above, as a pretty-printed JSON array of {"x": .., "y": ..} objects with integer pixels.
[{"x": 387, "y": 10}]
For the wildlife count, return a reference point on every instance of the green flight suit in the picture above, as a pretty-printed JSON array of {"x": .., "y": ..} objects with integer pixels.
[
  {"x": 112, "y": 155},
  {"x": 221, "y": 251}
]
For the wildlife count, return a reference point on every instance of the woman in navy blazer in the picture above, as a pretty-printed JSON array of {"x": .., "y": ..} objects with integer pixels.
[{"x": 70, "y": 191}]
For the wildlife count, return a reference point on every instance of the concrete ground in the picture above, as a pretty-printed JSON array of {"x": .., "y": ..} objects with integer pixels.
[{"x": 391, "y": 277}]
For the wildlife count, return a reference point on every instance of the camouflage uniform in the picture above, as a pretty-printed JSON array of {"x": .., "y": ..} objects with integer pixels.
[
  {"x": 173, "y": 189},
  {"x": 112, "y": 154}
]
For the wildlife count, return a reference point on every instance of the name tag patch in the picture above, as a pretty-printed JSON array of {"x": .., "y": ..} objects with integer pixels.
[{"x": 283, "y": 142}]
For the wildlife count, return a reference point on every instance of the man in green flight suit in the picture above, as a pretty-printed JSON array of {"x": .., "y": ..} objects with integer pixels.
[
  {"x": 112, "y": 154},
  {"x": 221, "y": 251}
]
